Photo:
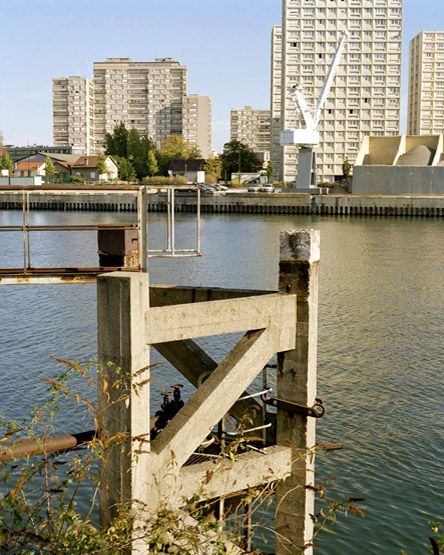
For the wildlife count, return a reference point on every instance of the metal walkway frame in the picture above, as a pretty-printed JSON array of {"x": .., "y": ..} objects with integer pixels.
[{"x": 77, "y": 275}]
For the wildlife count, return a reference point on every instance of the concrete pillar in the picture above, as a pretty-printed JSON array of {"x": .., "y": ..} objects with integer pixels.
[
  {"x": 122, "y": 301},
  {"x": 305, "y": 168},
  {"x": 296, "y": 382}
]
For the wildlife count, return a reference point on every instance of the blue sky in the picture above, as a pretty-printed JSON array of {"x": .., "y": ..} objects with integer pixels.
[{"x": 224, "y": 43}]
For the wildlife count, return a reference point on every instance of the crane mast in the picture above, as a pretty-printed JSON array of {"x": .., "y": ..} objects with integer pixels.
[{"x": 308, "y": 138}]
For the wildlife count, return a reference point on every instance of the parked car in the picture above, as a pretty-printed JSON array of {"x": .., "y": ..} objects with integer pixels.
[
  {"x": 266, "y": 189},
  {"x": 253, "y": 189},
  {"x": 213, "y": 189}
]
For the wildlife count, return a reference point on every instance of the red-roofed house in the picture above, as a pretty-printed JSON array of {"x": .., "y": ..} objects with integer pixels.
[
  {"x": 87, "y": 167},
  {"x": 66, "y": 167},
  {"x": 29, "y": 169}
]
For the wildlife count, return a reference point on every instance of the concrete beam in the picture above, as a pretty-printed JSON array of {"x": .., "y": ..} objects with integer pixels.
[
  {"x": 213, "y": 399},
  {"x": 224, "y": 477},
  {"x": 204, "y": 319},
  {"x": 166, "y": 295},
  {"x": 193, "y": 362}
]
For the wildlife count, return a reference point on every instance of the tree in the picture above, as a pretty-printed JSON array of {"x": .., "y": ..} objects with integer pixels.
[
  {"x": 213, "y": 169},
  {"x": 175, "y": 147},
  {"x": 131, "y": 146},
  {"x": 101, "y": 165},
  {"x": 151, "y": 163},
  {"x": 269, "y": 172},
  {"x": 238, "y": 157},
  {"x": 49, "y": 169},
  {"x": 6, "y": 163},
  {"x": 126, "y": 169},
  {"x": 138, "y": 149},
  {"x": 346, "y": 168},
  {"x": 116, "y": 143}
]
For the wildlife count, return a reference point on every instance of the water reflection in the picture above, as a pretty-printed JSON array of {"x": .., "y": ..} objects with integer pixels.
[{"x": 381, "y": 357}]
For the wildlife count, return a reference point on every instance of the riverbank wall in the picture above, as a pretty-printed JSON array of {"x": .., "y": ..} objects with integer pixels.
[{"x": 240, "y": 203}]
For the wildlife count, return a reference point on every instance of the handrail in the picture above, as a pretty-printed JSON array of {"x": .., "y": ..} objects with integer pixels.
[{"x": 141, "y": 194}]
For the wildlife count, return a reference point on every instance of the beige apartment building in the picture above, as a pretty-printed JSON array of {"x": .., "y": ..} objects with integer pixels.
[
  {"x": 252, "y": 127},
  {"x": 365, "y": 96},
  {"x": 73, "y": 113},
  {"x": 148, "y": 96},
  {"x": 276, "y": 99},
  {"x": 426, "y": 84},
  {"x": 197, "y": 122}
]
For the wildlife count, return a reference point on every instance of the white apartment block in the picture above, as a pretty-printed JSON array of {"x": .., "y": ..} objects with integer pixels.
[
  {"x": 251, "y": 127},
  {"x": 426, "y": 84},
  {"x": 73, "y": 113},
  {"x": 197, "y": 122},
  {"x": 276, "y": 98},
  {"x": 365, "y": 96},
  {"x": 147, "y": 96}
]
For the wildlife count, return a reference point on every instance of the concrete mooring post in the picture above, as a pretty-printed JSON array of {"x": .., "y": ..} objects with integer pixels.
[
  {"x": 296, "y": 382},
  {"x": 123, "y": 387}
]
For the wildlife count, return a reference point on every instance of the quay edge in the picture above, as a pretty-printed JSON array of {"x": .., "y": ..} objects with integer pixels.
[{"x": 243, "y": 203}]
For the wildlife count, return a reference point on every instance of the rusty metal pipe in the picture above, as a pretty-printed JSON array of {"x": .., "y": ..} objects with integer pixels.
[{"x": 29, "y": 447}]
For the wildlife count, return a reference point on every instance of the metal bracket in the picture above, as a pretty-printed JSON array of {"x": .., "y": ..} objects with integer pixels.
[{"x": 316, "y": 411}]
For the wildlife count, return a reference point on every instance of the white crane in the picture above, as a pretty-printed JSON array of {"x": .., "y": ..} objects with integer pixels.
[{"x": 308, "y": 138}]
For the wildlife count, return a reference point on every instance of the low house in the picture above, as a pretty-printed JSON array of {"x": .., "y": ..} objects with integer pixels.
[
  {"x": 192, "y": 170},
  {"x": 35, "y": 165},
  {"x": 29, "y": 169},
  {"x": 66, "y": 166},
  {"x": 86, "y": 166}
]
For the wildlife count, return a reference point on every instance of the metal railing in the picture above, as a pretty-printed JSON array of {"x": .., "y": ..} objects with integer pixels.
[{"x": 30, "y": 274}]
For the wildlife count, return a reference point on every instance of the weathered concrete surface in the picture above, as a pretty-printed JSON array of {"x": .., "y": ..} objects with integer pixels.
[
  {"x": 224, "y": 477},
  {"x": 124, "y": 411},
  {"x": 400, "y": 180},
  {"x": 296, "y": 382},
  {"x": 215, "y": 397},
  {"x": 173, "y": 323},
  {"x": 165, "y": 295}
]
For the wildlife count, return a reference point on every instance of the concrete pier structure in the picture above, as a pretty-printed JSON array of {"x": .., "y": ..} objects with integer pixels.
[{"x": 158, "y": 474}]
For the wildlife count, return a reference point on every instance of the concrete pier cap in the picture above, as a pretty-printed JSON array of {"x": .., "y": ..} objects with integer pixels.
[{"x": 300, "y": 244}]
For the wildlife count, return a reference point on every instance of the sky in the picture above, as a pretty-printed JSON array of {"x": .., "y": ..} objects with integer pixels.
[{"x": 224, "y": 43}]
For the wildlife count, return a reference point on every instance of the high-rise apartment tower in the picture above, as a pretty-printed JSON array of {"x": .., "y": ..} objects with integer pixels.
[
  {"x": 276, "y": 98},
  {"x": 197, "y": 122},
  {"x": 426, "y": 84},
  {"x": 73, "y": 113},
  {"x": 365, "y": 96},
  {"x": 148, "y": 96},
  {"x": 251, "y": 127}
]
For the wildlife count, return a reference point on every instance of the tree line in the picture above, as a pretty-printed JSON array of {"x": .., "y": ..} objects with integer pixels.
[{"x": 138, "y": 157}]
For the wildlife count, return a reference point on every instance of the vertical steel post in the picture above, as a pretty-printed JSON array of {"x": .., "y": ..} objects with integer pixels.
[
  {"x": 28, "y": 224},
  {"x": 296, "y": 382},
  {"x": 173, "y": 224},
  {"x": 142, "y": 224},
  {"x": 25, "y": 248},
  {"x": 198, "y": 221},
  {"x": 169, "y": 219}
]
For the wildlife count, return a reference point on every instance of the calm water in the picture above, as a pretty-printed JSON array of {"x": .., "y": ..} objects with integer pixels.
[{"x": 381, "y": 352}]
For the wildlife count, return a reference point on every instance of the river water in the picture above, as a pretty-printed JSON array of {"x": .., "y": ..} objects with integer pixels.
[{"x": 381, "y": 350}]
